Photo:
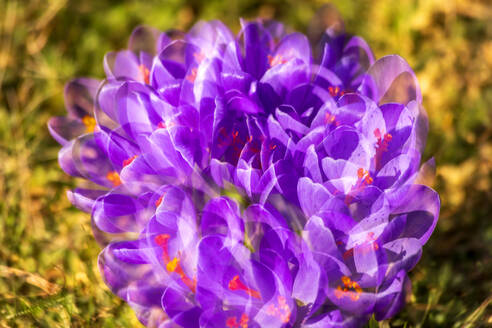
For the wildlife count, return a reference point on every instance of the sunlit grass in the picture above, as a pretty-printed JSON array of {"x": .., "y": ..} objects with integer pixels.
[{"x": 48, "y": 259}]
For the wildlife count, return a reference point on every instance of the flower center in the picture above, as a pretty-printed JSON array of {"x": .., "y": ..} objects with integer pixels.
[
  {"x": 336, "y": 91},
  {"x": 281, "y": 310},
  {"x": 331, "y": 119},
  {"x": 350, "y": 288},
  {"x": 90, "y": 123},
  {"x": 237, "y": 284},
  {"x": 235, "y": 142},
  {"x": 381, "y": 146},
  {"x": 174, "y": 264},
  {"x": 363, "y": 180}
]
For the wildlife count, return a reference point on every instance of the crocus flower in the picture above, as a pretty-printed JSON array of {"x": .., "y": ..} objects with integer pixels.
[
  {"x": 319, "y": 158},
  {"x": 218, "y": 269}
]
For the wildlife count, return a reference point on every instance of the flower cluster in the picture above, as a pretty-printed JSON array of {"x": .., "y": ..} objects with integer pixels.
[{"x": 240, "y": 181}]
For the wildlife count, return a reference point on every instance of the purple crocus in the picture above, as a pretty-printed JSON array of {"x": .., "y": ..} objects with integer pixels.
[
  {"x": 238, "y": 181},
  {"x": 218, "y": 269}
]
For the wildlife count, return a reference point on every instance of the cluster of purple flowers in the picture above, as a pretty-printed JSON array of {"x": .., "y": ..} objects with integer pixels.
[{"x": 237, "y": 181}]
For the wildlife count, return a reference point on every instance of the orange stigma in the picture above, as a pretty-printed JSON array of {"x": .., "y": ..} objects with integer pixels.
[
  {"x": 144, "y": 73},
  {"x": 336, "y": 91},
  {"x": 333, "y": 91},
  {"x": 381, "y": 146},
  {"x": 159, "y": 201},
  {"x": 128, "y": 161},
  {"x": 192, "y": 76},
  {"x": 237, "y": 284},
  {"x": 276, "y": 60},
  {"x": 114, "y": 178},
  {"x": 348, "y": 284},
  {"x": 90, "y": 123}
]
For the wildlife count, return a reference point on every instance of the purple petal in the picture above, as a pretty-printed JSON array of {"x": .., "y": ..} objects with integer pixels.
[
  {"x": 64, "y": 129},
  {"x": 390, "y": 79},
  {"x": 79, "y": 97}
]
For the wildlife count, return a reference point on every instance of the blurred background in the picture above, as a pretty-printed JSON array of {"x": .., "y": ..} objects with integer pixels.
[{"x": 48, "y": 271}]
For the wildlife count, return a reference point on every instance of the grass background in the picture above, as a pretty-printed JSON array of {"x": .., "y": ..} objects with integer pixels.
[{"x": 48, "y": 272}]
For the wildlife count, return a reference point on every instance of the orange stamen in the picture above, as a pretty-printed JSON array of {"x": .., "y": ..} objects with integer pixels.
[
  {"x": 243, "y": 322},
  {"x": 231, "y": 322},
  {"x": 281, "y": 310},
  {"x": 114, "y": 178},
  {"x": 348, "y": 284},
  {"x": 333, "y": 91},
  {"x": 90, "y": 123},
  {"x": 364, "y": 177},
  {"x": 330, "y": 119},
  {"x": 171, "y": 265}
]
